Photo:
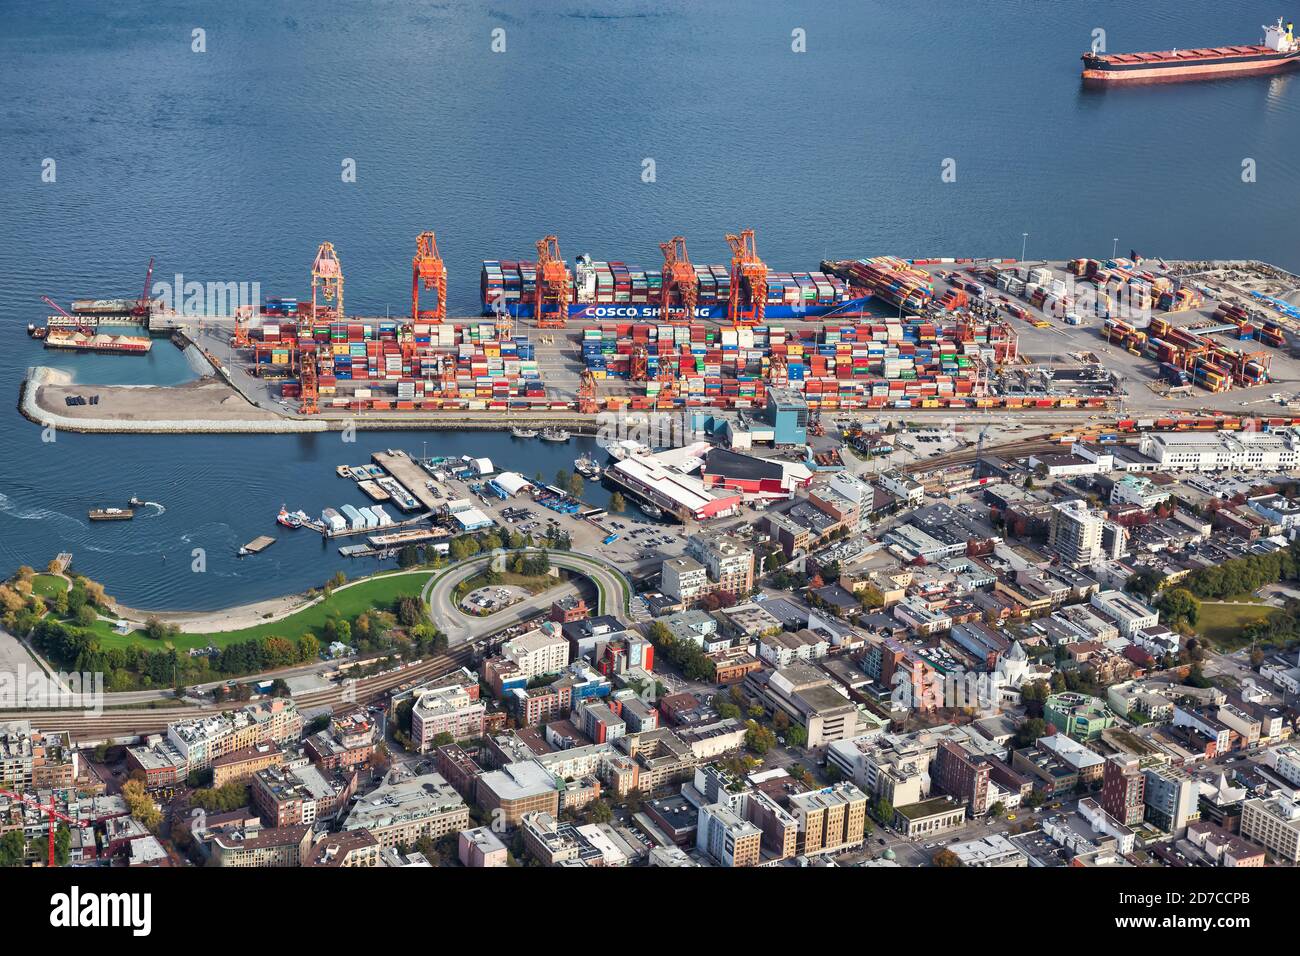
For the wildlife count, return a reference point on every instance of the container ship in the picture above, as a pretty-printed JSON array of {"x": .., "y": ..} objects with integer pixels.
[
  {"x": 614, "y": 290},
  {"x": 1277, "y": 53}
]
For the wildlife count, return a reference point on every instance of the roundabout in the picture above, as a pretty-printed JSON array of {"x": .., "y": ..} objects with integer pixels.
[{"x": 613, "y": 587}]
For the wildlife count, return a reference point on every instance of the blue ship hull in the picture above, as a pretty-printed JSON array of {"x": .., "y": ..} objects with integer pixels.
[{"x": 641, "y": 311}]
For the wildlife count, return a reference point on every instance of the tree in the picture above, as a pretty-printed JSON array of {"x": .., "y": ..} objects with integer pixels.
[
  {"x": 883, "y": 810},
  {"x": 308, "y": 647},
  {"x": 1179, "y": 606},
  {"x": 616, "y": 503},
  {"x": 62, "y": 845},
  {"x": 796, "y": 736},
  {"x": 86, "y": 616},
  {"x": 599, "y": 812},
  {"x": 576, "y": 485},
  {"x": 408, "y": 557},
  {"x": 1030, "y": 730},
  {"x": 945, "y": 858},
  {"x": 13, "y": 848},
  {"x": 141, "y": 804},
  {"x": 758, "y": 738}
]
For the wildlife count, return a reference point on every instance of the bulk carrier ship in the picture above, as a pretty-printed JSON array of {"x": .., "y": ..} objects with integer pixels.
[{"x": 1277, "y": 53}]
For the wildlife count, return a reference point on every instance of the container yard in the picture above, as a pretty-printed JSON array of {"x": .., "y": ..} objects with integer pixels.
[{"x": 869, "y": 334}]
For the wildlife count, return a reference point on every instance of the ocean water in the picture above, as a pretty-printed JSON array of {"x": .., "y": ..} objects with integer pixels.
[{"x": 226, "y": 166}]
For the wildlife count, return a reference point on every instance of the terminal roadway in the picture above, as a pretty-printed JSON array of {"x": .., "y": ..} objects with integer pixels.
[{"x": 612, "y": 585}]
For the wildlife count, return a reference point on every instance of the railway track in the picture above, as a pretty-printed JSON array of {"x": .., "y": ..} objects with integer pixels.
[{"x": 137, "y": 722}]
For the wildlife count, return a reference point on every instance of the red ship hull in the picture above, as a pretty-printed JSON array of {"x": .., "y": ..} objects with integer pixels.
[{"x": 1181, "y": 66}]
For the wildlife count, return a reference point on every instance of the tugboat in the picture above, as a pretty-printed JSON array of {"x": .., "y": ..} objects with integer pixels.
[
  {"x": 519, "y": 432},
  {"x": 291, "y": 519},
  {"x": 111, "y": 514},
  {"x": 586, "y": 467},
  {"x": 551, "y": 433}
]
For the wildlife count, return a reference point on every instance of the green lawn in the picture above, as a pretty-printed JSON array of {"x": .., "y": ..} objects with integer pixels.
[
  {"x": 378, "y": 591},
  {"x": 48, "y": 585},
  {"x": 1221, "y": 623}
]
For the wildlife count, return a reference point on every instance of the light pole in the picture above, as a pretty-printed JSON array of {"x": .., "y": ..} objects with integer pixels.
[{"x": 1024, "y": 244}]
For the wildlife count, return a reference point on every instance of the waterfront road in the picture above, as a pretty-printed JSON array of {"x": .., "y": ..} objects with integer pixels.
[{"x": 612, "y": 585}]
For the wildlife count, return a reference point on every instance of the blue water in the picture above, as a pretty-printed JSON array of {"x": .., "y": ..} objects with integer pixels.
[{"x": 226, "y": 166}]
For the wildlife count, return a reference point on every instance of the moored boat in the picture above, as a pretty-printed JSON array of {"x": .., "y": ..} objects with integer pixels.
[
  {"x": 519, "y": 432},
  {"x": 586, "y": 467},
  {"x": 649, "y": 510},
  {"x": 551, "y": 433}
]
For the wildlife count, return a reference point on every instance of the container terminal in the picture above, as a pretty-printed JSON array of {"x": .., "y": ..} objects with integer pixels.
[{"x": 880, "y": 334}]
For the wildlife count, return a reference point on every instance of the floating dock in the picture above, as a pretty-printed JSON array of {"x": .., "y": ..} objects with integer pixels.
[{"x": 374, "y": 490}]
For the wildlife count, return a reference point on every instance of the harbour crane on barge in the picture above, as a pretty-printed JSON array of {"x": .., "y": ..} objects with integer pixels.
[
  {"x": 553, "y": 285},
  {"x": 144, "y": 303},
  {"x": 751, "y": 271},
  {"x": 679, "y": 282}
]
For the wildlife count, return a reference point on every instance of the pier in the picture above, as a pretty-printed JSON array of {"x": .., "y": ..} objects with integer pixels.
[{"x": 409, "y": 475}]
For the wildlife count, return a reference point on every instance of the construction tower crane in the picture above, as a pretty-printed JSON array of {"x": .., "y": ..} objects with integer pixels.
[
  {"x": 587, "y": 393},
  {"x": 428, "y": 270},
  {"x": 326, "y": 282},
  {"x": 551, "y": 306},
  {"x": 679, "y": 281},
  {"x": 749, "y": 269},
  {"x": 50, "y": 812}
]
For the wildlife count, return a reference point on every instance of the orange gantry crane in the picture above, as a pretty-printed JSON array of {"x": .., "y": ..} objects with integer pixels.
[
  {"x": 747, "y": 269},
  {"x": 551, "y": 307},
  {"x": 326, "y": 282},
  {"x": 667, "y": 379},
  {"x": 587, "y": 404},
  {"x": 308, "y": 402},
  {"x": 326, "y": 297},
  {"x": 428, "y": 270},
  {"x": 51, "y": 814},
  {"x": 680, "y": 286},
  {"x": 638, "y": 371}
]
